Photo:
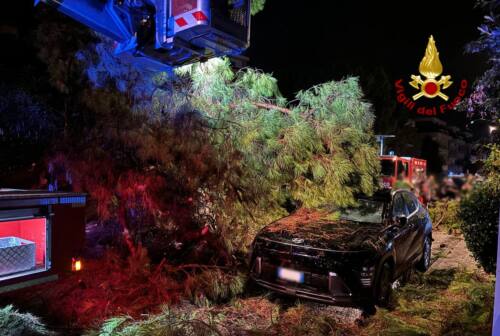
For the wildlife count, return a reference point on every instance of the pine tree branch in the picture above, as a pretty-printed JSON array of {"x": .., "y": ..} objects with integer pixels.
[
  {"x": 308, "y": 114},
  {"x": 268, "y": 106},
  {"x": 272, "y": 107}
]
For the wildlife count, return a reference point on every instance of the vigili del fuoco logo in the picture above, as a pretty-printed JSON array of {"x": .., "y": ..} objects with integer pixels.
[{"x": 430, "y": 84}]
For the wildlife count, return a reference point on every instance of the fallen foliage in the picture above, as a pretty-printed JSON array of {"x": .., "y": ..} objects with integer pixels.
[
  {"x": 444, "y": 214},
  {"x": 15, "y": 323},
  {"x": 132, "y": 287},
  {"x": 325, "y": 229},
  {"x": 108, "y": 287},
  {"x": 212, "y": 285},
  {"x": 442, "y": 302},
  {"x": 167, "y": 323}
]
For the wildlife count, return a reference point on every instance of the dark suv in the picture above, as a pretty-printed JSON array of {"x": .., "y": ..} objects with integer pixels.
[{"x": 345, "y": 256}]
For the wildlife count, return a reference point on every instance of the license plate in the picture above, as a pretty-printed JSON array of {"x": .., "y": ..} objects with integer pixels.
[{"x": 290, "y": 275}]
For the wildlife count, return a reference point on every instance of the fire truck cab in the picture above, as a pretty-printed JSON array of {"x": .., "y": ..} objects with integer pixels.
[
  {"x": 163, "y": 34},
  {"x": 412, "y": 169}
]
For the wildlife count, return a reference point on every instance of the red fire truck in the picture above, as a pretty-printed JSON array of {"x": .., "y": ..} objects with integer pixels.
[{"x": 413, "y": 169}]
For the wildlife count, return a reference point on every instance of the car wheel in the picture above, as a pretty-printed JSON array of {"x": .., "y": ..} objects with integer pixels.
[
  {"x": 406, "y": 277},
  {"x": 425, "y": 262},
  {"x": 384, "y": 286}
]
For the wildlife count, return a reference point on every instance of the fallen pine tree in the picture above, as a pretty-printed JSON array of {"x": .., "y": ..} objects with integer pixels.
[
  {"x": 192, "y": 164},
  {"x": 218, "y": 155}
]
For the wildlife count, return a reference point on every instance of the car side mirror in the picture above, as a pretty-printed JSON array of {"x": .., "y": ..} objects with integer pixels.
[{"x": 401, "y": 220}]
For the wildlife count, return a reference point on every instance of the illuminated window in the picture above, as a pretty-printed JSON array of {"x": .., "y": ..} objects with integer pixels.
[{"x": 23, "y": 247}]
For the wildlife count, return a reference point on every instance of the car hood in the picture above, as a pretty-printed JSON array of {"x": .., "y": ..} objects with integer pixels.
[{"x": 320, "y": 229}]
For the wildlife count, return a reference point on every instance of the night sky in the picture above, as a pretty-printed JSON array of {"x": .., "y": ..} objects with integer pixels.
[{"x": 308, "y": 42}]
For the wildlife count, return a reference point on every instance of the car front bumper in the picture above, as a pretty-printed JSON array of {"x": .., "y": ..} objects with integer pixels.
[
  {"x": 323, "y": 287},
  {"x": 346, "y": 300}
]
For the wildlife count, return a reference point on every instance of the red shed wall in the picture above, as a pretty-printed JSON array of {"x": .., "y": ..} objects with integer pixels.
[{"x": 68, "y": 235}]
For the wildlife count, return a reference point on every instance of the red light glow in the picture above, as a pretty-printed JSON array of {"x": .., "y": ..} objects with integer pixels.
[{"x": 30, "y": 229}]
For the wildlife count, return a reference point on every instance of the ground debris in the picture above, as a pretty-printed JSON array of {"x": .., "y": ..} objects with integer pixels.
[
  {"x": 323, "y": 228},
  {"x": 452, "y": 295},
  {"x": 450, "y": 251},
  {"x": 260, "y": 315},
  {"x": 344, "y": 315}
]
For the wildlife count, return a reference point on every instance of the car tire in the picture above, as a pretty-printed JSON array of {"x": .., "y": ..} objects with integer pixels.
[
  {"x": 368, "y": 310},
  {"x": 425, "y": 261},
  {"x": 384, "y": 286},
  {"x": 406, "y": 276},
  {"x": 252, "y": 287}
]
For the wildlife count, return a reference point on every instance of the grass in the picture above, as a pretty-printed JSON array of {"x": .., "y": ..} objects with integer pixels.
[
  {"x": 252, "y": 316},
  {"x": 122, "y": 298},
  {"x": 167, "y": 323},
  {"x": 303, "y": 320},
  {"x": 443, "y": 302}
]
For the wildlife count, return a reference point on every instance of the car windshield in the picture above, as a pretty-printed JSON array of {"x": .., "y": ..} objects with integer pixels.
[{"x": 369, "y": 211}]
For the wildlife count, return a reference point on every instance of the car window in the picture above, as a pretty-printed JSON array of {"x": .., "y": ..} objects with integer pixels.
[
  {"x": 411, "y": 202},
  {"x": 398, "y": 206},
  {"x": 402, "y": 168},
  {"x": 387, "y": 167}
]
